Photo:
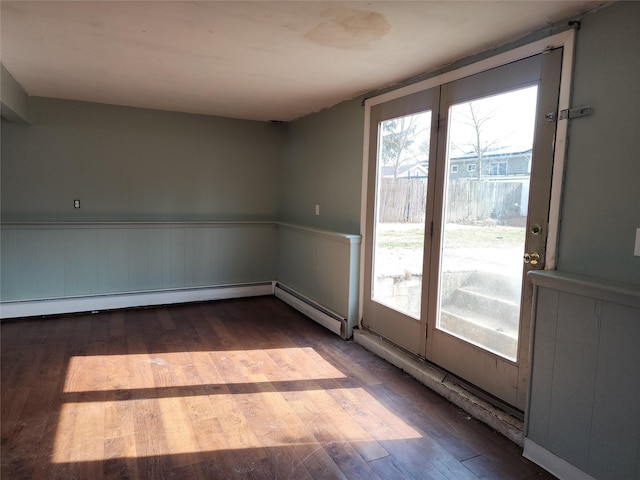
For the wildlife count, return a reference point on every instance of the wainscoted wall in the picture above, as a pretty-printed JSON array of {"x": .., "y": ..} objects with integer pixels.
[
  {"x": 54, "y": 265},
  {"x": 67, "y": 260},
  {"x": 173, "y": 207},
  {"x": 323, "y": 266},
  {"x": 583, "y": 417}
]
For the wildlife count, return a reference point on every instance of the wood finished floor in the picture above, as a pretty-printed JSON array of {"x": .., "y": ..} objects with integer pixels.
[{"x": 238, "y": 389}]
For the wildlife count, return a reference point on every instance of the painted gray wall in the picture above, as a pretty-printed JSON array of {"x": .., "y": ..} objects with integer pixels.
[
  {"x": 128, "y": 164},
  {"x": 601, "y": 208},
  {"x": 15, "y": 101},
  {"x": 322, "y": 165}
]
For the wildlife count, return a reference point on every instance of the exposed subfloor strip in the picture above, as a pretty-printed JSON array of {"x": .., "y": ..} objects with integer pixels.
[{"x": 437, "y": 380}]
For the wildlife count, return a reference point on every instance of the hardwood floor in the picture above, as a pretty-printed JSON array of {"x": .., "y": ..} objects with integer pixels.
[{"x": 238, "y": 389}]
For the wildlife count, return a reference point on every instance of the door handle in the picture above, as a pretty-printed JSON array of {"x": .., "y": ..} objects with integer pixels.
[{"x": 532, "y": 258}]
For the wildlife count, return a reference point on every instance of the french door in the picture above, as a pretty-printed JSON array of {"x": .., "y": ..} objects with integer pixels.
[{"x": 457, "y": 205}]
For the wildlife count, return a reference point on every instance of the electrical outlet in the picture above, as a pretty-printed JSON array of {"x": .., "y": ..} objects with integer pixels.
[
  {"x": 636, "y": 251},
  {"x": 317, "y": 209},
  {"x": 76, "y": 204}
]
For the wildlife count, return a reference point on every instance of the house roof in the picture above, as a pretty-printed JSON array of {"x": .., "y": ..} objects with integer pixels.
[
  {"x": 404, "y": 169},
  {"x": 495, "y": 153}
]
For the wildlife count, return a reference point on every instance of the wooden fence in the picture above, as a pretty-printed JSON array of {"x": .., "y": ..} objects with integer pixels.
[{"x": 403, "y": 200}]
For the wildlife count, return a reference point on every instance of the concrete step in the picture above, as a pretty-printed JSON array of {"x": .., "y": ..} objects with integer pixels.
[
  {"x": 490, "y": 332},
  {"x": 498, "y": 285},
  {"x": 484, "y": 301}
]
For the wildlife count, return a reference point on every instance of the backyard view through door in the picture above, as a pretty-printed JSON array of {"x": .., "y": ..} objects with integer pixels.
[
  {"x": 486, "y": 204},
  {"x": 457, "y": 212},
  {"x": 400, "y": 212}
]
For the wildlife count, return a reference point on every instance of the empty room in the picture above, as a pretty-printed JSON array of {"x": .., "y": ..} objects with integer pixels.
[{"x": 316, "y": 239}]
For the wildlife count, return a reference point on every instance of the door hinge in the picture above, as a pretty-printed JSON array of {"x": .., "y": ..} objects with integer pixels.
[
  {"x": 568, "y": 114},
  {"x": 431, "y": 230},
  {"x": 438, "y": 123}
]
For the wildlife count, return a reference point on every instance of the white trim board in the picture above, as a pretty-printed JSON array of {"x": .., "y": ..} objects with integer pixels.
[
  {"x": 513, "y": 55},
  {"x": 552, "y": 463},
  {"x": 57, "y": 306}
]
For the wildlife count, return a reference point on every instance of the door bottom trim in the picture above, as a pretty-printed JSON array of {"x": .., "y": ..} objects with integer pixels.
[
  {"x": 487, "y": 397},
  {"x": 439, "y": 381}
]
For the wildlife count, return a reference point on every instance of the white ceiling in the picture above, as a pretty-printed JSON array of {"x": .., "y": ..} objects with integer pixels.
[{"x": 253, "y": 60}]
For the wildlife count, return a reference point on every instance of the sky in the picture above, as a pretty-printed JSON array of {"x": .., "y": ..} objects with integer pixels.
[{"x": 508, "y": 120}]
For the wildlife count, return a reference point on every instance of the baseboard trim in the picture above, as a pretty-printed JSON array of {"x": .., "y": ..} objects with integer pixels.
[
  {"x": 552, "y": 463},
  {"x": 58, "y": 306},
  {"x": 311, "y": 309},
  {"x": 95, "y": 303}
]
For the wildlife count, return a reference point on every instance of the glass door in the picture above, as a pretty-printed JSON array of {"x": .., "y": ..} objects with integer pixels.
[
  {"x": 486, "y": 199},
  {"x": 400, "y": 172},
  {"x": 496, "y": 151},
  {"x": 458, "y": 196}
]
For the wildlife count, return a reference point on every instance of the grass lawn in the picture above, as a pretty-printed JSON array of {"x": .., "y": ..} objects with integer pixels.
[{"x": 410, "y": 236}]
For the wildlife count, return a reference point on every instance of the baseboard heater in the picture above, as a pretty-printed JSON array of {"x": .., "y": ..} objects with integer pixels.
[
  {"x": 311, "y": 309},
  {"x": 92, "y": 303}
]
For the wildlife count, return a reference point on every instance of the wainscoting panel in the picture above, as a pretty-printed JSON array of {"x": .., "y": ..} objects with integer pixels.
[
  {"x": 70, "y": 267},
  {"x": 45, "y": 261},
  {"x": 322, "y": 266},
  {"x": 583, "y": 417}
]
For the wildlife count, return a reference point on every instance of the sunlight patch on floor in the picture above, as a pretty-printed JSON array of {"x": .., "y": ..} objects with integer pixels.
[
  {"x": 95, "y": 431},
  {"x": 97, "y": 373}
]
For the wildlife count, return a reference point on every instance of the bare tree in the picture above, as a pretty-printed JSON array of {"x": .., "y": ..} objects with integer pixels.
[
  {"x": 478, "y": 144},
  {"x": 398, "y": 136}
]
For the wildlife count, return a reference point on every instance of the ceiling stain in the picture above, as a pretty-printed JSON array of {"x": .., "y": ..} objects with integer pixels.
[{"x": 349, "y": 29}]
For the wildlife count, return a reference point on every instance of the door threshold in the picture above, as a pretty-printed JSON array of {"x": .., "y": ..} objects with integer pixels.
[{"x": 441, "y": 382}]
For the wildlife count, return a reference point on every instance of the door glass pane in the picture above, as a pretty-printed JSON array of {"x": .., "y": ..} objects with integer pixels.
[
  {"x": 486, "y": 199},
  {"x": 401, "y": 194}
]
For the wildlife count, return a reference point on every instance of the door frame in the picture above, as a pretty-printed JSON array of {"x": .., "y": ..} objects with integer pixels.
[{"x": 565, "y": 40}]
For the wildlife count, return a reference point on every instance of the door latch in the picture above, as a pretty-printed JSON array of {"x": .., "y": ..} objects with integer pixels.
[{"x": 532, "y": 258}]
